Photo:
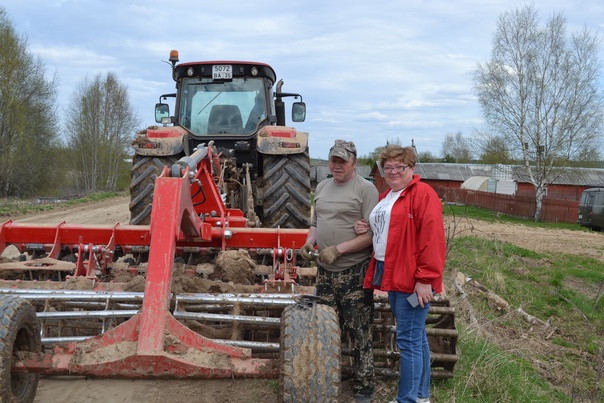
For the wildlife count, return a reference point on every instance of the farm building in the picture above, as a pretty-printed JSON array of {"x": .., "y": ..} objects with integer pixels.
[{"x": 567, "y": 186}]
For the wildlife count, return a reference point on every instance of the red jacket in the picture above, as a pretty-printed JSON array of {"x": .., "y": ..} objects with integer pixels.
[{"x": 416, "y": 246}]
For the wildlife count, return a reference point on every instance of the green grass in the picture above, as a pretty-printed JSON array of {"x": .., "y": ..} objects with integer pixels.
[
  {"x": 274, "y": 386},
  {"x": 508, "y": 359},
  {"x": 487, "y": 373}
]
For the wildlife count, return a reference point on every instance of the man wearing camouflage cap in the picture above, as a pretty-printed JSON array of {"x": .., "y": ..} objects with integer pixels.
[{"x": 344, "y": 256}]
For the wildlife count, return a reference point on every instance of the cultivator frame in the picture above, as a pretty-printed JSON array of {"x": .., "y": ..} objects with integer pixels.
[{"x": 143, "y": 335}]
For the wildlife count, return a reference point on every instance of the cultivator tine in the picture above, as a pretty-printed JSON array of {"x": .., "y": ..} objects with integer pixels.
[{"x": 44, "y": 264}]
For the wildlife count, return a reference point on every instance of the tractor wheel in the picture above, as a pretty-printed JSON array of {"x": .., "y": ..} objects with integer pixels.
[
  {"x": 286, "y": 191},
  {"x": 310, "y": 354},
  {"x": 144, "y": 172},
  {"x": 18, "y": 332}
]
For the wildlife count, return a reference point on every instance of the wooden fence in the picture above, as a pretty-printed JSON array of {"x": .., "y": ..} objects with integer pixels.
[{"x": 553, "y": 210}]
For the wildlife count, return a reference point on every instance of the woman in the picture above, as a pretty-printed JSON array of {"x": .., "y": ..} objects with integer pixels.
[{"x": 408, "y": 261}]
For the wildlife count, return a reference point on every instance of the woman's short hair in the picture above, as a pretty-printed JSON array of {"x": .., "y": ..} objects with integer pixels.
[{"x": 406, "y": 155}]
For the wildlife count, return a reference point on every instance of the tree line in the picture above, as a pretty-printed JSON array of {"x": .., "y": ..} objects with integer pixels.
[{"x": 36, "y": 157}]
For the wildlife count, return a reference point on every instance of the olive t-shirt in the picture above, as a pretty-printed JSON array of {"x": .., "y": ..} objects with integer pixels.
[{"x": 337, "y": 207}]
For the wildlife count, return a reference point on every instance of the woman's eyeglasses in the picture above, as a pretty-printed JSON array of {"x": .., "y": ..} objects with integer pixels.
[{"x": 395, "y": 169}]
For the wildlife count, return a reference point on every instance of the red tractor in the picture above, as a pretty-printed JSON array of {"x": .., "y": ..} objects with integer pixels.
[{"x": 264, "y": 165}]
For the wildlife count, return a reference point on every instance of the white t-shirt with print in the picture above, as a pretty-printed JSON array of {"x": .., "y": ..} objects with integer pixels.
[{"x": 379, "y": 220}]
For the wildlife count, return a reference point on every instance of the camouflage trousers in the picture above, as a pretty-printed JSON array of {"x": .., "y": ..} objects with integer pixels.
[{"x": 345, "y": 293}]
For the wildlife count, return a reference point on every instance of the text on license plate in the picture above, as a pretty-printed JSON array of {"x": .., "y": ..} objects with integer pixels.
[{"x": 222, "y": 71}]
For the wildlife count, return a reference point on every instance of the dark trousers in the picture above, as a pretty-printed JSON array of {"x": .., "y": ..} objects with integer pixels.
[{"x": 345, "y": 293}]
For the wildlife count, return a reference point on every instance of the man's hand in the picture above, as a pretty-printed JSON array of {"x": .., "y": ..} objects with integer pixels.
[
  {"x": 308, "y": 251},
  {"x": 328, "y": 255},
  {"x": 361, "y": 227}
]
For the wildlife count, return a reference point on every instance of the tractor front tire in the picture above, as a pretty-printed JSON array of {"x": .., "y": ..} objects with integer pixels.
[
  {"x": 310, "y": 354},
  {"x": 19, "y": 331},
  {"x": 286, "y": 201},
  {"x": 145, "y": 169}
]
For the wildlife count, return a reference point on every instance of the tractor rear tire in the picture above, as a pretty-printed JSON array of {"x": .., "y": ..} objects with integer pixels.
[
  {"x": 310, "y": 354},
  {"x": 286, "y": 201},
  {"x": 19, "y": 331},
  {"x": 144, "y": 171}
]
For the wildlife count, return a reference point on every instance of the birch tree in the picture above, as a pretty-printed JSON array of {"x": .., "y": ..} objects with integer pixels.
[
  {"x": 540, "y": 93},
  {"x": 100, "y": 125}
]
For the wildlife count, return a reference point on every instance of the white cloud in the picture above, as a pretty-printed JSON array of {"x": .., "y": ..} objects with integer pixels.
[
  {"x": 373, "y": 116},
  {"x": 73, "y": 56},
  {"x": 415, "y": 124}
]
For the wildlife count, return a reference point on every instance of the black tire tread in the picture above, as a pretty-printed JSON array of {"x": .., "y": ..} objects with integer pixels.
[
  {"x": 19, "y": 331},
  {"x": 310, "y": 354},
  {"x": 145, "y": 169},
  {"x": 286, "y": 191}
]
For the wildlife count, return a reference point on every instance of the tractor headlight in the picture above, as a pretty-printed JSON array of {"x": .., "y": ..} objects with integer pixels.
[
  {"x": 190, "y": 71},
  {"x": 254, "y": 71}
]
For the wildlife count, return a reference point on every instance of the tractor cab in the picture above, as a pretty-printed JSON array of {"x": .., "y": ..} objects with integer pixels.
[{"x": 226, "y": 99}]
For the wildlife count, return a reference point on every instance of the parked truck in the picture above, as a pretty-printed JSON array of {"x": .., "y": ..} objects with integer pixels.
[{"x": 591, "y": 209}]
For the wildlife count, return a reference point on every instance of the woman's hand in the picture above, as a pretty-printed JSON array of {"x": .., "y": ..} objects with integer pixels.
[
  {"x": 424, "y": 293},
  {"x": 361, "y": 227}
]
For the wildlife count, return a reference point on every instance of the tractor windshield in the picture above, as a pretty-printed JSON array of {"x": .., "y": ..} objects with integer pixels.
[{"x": 209, "y": 107}]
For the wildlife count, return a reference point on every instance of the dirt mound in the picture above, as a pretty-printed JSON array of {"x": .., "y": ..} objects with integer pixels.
[
  {"x": 234, "y": 272},
  {"x": 235, "y": 266}
]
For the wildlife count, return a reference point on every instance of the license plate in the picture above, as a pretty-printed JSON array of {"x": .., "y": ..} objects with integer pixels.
[{"x": 222, "y": 72}]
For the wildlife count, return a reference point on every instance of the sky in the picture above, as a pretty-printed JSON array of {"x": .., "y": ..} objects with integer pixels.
[{"x": 370, "y": 72}]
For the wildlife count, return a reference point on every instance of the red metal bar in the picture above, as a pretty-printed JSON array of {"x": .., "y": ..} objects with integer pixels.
[
  {"x": 172, "y": 213},
  {"x": 114, "y": 355},
  {"x": 56, "y": 247},
  {"x": 127, "y": 236},
  {"x": 71, "y": 235},
  {"x": 3, "y": 230},
  {"x": 206, "y": 196}
]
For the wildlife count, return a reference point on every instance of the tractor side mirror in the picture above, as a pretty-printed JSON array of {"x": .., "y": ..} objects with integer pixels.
[
  {"x": 298, "y": 112},
  {"x": 162, "y": 113}
]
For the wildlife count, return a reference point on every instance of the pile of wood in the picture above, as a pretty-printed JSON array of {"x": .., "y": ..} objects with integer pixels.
[{"x": 464, "y": 286}]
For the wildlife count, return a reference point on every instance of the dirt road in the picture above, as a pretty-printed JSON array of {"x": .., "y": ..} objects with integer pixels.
[{"x": 81, "y": 390}]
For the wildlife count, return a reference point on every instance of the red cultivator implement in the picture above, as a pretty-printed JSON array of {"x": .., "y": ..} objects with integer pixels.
[{"x": 257, "y": 329}]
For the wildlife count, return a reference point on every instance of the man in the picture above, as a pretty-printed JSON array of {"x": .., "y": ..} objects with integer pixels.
[{"x": 344, "y": 256}]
